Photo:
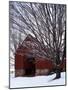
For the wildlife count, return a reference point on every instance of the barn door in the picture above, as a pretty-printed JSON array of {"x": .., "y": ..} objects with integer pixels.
[{"x": 30, "y": 70}]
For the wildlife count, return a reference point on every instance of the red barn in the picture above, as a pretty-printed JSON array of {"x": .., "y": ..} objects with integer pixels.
[{"x": 29, "y": 61}]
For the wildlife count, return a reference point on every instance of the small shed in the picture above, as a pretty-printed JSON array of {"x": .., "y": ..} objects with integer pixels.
[{"x": 29, "y": 61}]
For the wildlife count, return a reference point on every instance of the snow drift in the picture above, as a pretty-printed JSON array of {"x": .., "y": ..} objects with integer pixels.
[{"x": 36, "y": 81}]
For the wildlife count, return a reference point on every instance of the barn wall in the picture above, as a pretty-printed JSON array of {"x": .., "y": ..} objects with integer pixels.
[
  {"x": 19, "y": 65},
  {"x": 42, "y": 72},
  {"x": 19, "y": 61},
  {"x": 19, "y": 72},
  {"x": 43, "y": 66}
]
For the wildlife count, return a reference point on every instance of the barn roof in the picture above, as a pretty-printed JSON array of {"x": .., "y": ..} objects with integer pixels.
[{"x": 30, "y": 47}]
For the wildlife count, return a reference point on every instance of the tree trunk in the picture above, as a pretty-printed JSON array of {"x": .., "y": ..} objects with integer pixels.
[
  {"x": 58, "y": 75},
  {"x": 58, "y": 72}
]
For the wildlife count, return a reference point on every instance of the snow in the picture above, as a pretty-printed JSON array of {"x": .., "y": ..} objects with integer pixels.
[{"x": 36, "y": 81}]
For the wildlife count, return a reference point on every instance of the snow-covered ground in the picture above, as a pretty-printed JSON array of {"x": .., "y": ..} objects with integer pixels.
[{"x": 36, "y": 81}]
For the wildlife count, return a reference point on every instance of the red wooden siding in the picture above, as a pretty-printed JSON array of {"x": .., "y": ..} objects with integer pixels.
[
  {"x": 19, "y": 61},
  {"x": 44, "y": 64}
]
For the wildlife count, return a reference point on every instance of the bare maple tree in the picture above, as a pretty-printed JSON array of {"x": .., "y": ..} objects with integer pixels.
[{"x": 45, "y": 22}]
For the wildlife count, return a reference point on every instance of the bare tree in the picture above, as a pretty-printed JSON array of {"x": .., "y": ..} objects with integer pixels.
[{"x": 45, "y": 22}]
